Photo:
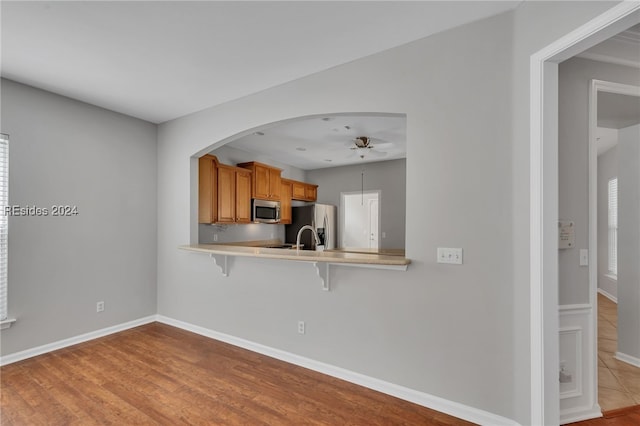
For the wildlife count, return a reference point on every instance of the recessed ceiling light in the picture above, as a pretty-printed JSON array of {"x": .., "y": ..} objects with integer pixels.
[
  {"x": 259, "y": 133},
  {"x": 328, "y": 160},
  {"x": 327, "y": 119},
  {"x": 301, "y": 149},
  {"x": 347, "y": 127}
]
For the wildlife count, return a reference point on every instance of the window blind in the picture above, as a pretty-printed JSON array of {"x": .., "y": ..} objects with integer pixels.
[
  {"x": 4, "y": 222},
  {"x": 613, "y": 227}
]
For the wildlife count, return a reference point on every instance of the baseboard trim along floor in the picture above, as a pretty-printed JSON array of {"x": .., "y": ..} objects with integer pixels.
[
  {"x": 451, "y": 408},
  {"x": 628, "y": 359},
  {"x": 50, "y": 347}
]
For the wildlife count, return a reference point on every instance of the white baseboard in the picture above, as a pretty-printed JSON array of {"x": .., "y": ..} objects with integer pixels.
[
  {"x": 629, "y": 359},
  {"x": 19, "y": 356},
  {"x": 580, "y": 414},
  {"x": 451, "y": 408},
  {"x": 608, "y": 295}
]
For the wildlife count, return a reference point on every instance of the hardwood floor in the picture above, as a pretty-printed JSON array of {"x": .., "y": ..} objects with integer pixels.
[
  {"x": 158, "y": 374},
  {"x": 621, "y": 417}
]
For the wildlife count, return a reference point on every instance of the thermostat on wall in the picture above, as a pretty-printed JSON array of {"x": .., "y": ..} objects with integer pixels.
[{"x": 567, "y": 234}]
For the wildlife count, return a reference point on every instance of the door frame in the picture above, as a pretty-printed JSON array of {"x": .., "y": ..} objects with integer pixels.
[{"x": 544, "y": 324}]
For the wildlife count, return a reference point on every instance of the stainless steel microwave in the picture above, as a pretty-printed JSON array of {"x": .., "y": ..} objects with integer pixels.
[{"x": 264, "y": 211}]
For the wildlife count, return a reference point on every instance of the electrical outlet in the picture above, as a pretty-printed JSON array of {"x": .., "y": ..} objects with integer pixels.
[
  {"x": 99, "y": 306},
  {"x": 215, "y": 237},
  {"x": 301, "y": 327}
]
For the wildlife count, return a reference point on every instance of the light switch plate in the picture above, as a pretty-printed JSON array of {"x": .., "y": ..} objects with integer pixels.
[
  {"x": 450, "y": 255},
  {"x": 584, "y": 257}
]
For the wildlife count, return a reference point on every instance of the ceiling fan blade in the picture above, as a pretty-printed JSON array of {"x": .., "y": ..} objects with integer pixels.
[
  {"x": 382, "y": 145},
  {"x": 375, "y": 153}
]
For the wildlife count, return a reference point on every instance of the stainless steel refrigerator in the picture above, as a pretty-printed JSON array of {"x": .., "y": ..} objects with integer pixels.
[{"x": 322, "y": 217}]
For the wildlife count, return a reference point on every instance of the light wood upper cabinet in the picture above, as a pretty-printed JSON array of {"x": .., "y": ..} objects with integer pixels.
[
  {"x": 265, "y": 182},
  {"x": 243, "y": 196},
  {"x": 298, "y": 190},
  {"x": 207, "y": 189},
  {"x": 225, "y": 192},
  {"x": 286, "y": 189},
  {"x": 304, "y": 191},
  {"x": 234, "y": 194},
  {"x": 311, "y": 192}
]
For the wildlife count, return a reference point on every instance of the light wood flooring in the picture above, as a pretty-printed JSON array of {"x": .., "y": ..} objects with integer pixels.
[
  {"x": 618, "y": 382},
  {"x": 157, "y": 374}
]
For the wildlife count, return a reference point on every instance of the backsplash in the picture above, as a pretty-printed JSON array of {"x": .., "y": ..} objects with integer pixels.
[{"x": 228, "y": 233}]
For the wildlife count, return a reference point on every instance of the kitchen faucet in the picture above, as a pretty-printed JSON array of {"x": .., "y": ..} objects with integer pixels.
[{"x": 313, "y": 231}]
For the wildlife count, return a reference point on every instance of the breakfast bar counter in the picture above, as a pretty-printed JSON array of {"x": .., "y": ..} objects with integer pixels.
[
  {"x": 328, "y": 256},
  {"x": 321, "y": 260}
]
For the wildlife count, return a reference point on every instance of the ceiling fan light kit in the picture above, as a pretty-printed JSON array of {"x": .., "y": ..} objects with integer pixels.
[{"x": 364, "y": 148}]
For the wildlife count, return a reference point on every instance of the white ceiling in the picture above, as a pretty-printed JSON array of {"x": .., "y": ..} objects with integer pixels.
[
  {"x": 621, "y": 49},
  {"x": 158, "y": 60},
  {"x": 616, "y": 111},
  {"x": 326, "y": 141}
]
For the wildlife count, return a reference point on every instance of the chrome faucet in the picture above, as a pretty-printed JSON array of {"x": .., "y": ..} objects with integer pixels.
[{"x": 313, "y": 231}]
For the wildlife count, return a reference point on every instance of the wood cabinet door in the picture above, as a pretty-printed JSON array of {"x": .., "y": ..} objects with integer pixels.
[
  {"x": 275, "y": 182},
  {"x": 207, "y": 189},
  {"x": 261, "y": 187},
  {"x": 311, "y": 192},
  {"x": 226, "y": 194},
  {"x": 286, "y": 188},
  {"x": 243, "y": 196},
  {"x": 298, "y": 191}
]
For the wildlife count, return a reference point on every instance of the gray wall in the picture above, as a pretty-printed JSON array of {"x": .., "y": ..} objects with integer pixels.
[
  {"x": 387, "y": 176},
  {"x": 66, "y": 152},
  {"x": 607, "y": 170},
  {"x": 573, "y": 156},
  {"x": 444, "y": 330},
  {"x": 629, "y": 241},
  {"x": 467, "y": 186},
  {"x": 385, "y": 324}
]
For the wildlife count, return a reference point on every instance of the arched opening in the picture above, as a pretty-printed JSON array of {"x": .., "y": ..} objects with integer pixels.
[{"x": 335, "y": 153}]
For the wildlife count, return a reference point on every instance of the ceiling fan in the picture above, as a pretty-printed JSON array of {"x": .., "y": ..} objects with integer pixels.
[{"x": 363, "y": 147}]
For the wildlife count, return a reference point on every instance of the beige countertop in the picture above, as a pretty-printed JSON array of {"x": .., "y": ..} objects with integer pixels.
[
  {"x": 387, "y": 252},
  {"x": 329, "y": 256}
]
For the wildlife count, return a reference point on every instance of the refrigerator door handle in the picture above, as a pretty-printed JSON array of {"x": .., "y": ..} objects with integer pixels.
[{"x": 327, "y": 232}]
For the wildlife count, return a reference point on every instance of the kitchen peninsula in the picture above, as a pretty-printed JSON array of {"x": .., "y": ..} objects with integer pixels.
[{"x": 320, "y": 259}]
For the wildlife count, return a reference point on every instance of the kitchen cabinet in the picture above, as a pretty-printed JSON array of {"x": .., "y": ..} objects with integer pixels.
[
  {"x": 234, "y": 194},
  {"x": 298, "y": 192},
  {"x": 265, "y": 181},
  {"x": 207, "y": 189},
  {"x": 286, "y": 189},
  {"x": 304, "y": 191},
  {"x": 311, "y": 192}
]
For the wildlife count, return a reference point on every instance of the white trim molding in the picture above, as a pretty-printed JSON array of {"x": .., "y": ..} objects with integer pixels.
[
  {"x": 628, "y": 359},
  {"x": 50, "y": 347},
  {"x": 544, "y": 200},
  {"x": 451, "y": 408},
  {"x": 608, "y": 295},
  {"x": 4, "y": 324},
  {"x": 574, "y": 334}
]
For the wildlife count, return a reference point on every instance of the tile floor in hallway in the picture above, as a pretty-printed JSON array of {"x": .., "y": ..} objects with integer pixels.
[{"x": 618, "y": 382}]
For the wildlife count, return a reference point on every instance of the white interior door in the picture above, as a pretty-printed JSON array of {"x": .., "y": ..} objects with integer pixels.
[{"x": 359, "y": 219}]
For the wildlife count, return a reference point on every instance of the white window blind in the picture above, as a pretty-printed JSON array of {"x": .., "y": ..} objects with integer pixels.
[
  {"x": 4, "y": 222},
  {"x": 613, "y": 227}
]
